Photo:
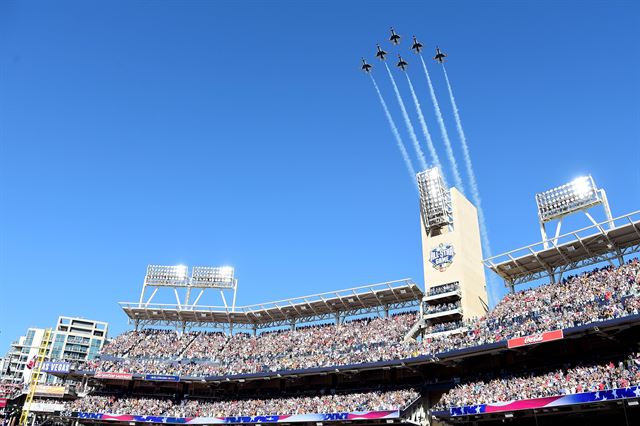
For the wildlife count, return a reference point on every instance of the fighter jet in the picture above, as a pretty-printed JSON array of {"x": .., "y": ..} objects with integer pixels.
[
  {"x": 439, "y": 55},
  {"x": 395, "y": 38},
  {"x": 417, "y": 46},
  {"x": 380, "y": 53},
  {"x": 402, "y": 64},
  {"x": 365, "y": 66}
]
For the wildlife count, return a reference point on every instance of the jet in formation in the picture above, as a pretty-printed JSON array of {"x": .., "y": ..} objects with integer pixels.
[
  {"x": 417, "y": 46},
  {"x": 365, "y": 66},
  {"x": 395, "y": 38},
  {"x": 439, "y": 55},
  {"x": 402, "y": 64},
  {"x": 380, "y": 54}
]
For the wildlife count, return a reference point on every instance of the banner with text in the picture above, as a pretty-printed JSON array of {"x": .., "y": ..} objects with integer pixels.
[
  {"x": 292, "y": 418},
  {"x": 56, "y": 367},
  {"x": 535, "y": 338},
  {"x": 547, "y": 402},
  {"x": 161, "y": 378},
  {"x": 113, "y": 375},
  {"x": 54, "y": 391}
]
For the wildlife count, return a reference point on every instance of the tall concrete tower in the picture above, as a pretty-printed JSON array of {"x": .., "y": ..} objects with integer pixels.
[{"x": 454, "y": 277}]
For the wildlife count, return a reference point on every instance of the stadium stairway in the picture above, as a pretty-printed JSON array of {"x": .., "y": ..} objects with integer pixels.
[
  {"x": 414, "y": 330},
  {"x": 184, "y": 349}
]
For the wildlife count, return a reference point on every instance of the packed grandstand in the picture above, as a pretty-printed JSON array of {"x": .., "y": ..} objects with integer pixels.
[
  {"x": 599, "y": 295},
  {"x": 366, "y": 368}
]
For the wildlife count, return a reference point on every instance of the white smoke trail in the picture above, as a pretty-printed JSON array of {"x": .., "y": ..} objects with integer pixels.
[
  {"x": 443, "y": 131},
  {"x": 423, "y": 125},
  {"x": 396, "y": 134},
  {"x": 407, "y": 121},
  {"x": 475, "y": 192}
]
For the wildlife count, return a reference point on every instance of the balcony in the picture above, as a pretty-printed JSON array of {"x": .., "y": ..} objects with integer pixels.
[
  {"x": 449, "y": 296},
  {"x": 443, "y": 316},
  {"x": 443, "y": 293}
]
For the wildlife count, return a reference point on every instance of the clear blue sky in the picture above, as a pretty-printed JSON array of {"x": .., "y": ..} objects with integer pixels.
[{"x": 244, "y": 133}]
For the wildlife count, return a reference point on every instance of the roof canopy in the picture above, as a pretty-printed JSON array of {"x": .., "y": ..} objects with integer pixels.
[
  {"x": 386, "y": 296},
  {"x": 600, "y": 242}
]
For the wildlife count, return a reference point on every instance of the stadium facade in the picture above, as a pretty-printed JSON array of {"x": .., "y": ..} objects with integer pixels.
[{"x": 562, "y": 353}]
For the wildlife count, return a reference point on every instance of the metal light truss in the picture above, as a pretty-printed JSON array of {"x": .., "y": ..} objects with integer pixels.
[
  {"x": 603, "y": 242},
  {"x": 579, "y": 194},
  {"x": 207, "y": 276},
  {"x": 389, "y": 296},
  {"x": 203, "y": 278},
  {"x": 171, "y": 276},
  {"x": 576, "y": 196},
  {"x": 435, "y": 199}
]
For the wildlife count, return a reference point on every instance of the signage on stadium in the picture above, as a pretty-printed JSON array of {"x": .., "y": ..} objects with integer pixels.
[
  {"x": 113, "y": 375},
  {"x": 56, "y": 367},
  {"x": 47, "y": 407},
  {"x": 550, "y": 401},
  {"x": 161, "y": 378},
  {"x": 54, "y": 391},
  {"x": 441, "y": 257},
  {"x": 535, "y": 338},
  {"x": 292, "y": 418}
]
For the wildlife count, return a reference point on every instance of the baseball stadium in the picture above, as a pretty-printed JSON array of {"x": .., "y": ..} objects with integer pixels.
[
  {"x": 561, "y": 346},
  {"x": 385, "y": 353}
]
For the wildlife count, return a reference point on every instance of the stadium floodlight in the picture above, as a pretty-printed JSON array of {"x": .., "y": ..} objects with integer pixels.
[
  {"x": 173, "y": 276},
  {"x": 578, "y": 195},
  {"x": 435, "y": 199},
  {"x": 218, "y": 277}
]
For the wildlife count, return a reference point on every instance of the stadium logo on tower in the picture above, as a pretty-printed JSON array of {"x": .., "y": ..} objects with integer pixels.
[{"x": 441, "y": 257}]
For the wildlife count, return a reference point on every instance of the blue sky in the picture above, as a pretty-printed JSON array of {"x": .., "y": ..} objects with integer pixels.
[{"x": 244, "y": 133}]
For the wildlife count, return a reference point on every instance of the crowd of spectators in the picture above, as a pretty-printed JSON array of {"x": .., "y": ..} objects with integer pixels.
[
  {"x": 590, "y": 378},
  {"x": 442, "y": 307},
  {"x": 595, "y": 296},
  {"x": 329, "y": 403},
  {"x": 444, "y": 288}
]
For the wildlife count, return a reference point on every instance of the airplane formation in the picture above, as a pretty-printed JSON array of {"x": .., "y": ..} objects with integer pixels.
[{"x": 402, "y": 64}]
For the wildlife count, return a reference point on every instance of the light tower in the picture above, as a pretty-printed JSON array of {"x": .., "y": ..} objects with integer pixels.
[
  {"x": 452, "y": 253},
  {"x": 579, "y": 195},
  {"x": 176, "y": 278}
]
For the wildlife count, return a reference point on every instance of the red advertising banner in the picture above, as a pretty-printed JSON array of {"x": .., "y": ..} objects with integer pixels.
[
  {"x": 3, "y": 402},
  {"x": 535, "y": 338},
  {"x": 113, "y": 375}
]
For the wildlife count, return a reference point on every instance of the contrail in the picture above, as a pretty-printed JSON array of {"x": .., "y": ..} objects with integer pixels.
[
  {"x": 407, "y": 121},
  {"x": 396, "y": 134},
  {"x": 475, "y": 192},
  {"x": 443, "y": 130},
  {"x": 423, "y": 124}
]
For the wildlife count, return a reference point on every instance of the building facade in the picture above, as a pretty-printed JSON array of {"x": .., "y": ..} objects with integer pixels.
[{"x": 72, "y": 339}]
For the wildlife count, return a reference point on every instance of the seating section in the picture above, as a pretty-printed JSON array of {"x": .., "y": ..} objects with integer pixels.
[
  {"x": 578, "y": 379},
  {"x": 331, "y": 403},
  {"x": 598, "y": 295}
]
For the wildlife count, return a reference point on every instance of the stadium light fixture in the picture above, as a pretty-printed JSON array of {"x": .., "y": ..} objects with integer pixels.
[
  {"x": 177, "y": 277},
  {"x": 214, "y": 277},
  {"x": 435, "y": 199},
  {"x": 578, "y": 195},
  {"x": 581, "y": 193},
  {"x": 159, "y": 275}
]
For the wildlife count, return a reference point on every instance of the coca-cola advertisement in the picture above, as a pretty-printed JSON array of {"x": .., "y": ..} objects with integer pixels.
[{"x": 535, "y": 338}]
